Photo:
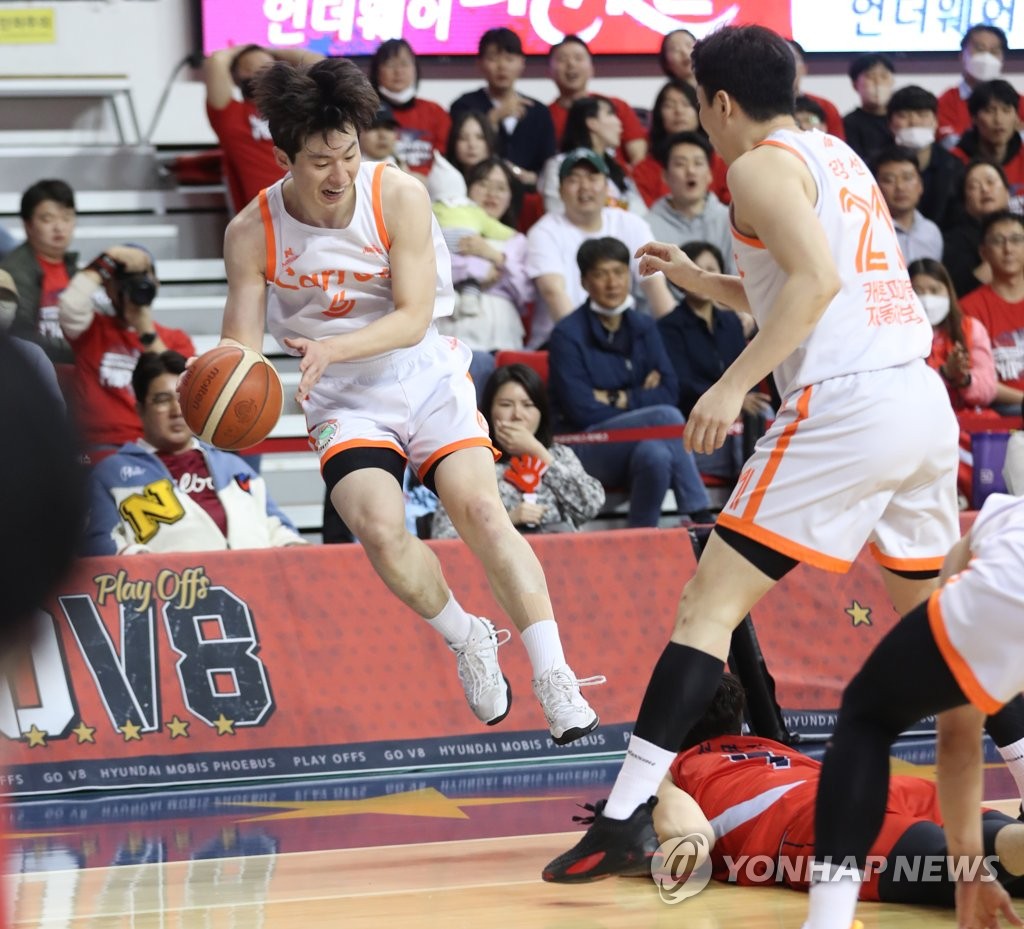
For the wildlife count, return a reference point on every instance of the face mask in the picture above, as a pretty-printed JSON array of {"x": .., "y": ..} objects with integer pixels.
[
  {"x": 400, "y": 97},
  {"x": 915, "y": 137},
  {"x": 626, "y": 304},
  {"x": 7, "y": 310},
  {"x": 983, "y": 66},
  {"x": 936, "y": 307}
]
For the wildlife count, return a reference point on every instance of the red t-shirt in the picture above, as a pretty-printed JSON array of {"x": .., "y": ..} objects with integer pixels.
[
  {"x": 105, "y": 357},
  {"x": 632, "y": 128},
  {"x": 953, "y": 116},
  {"x": 424, "y": 126},
  {"x": 244, "y": 138},
  {"x": 194, "y": 479},
  {"x": 1005, "y": 324},
  {"x": 55, "y": 279}
]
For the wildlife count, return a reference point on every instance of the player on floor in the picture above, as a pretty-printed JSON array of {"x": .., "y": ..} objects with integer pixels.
[
  {"x": 754, "y": 798},
  {"x": 966, "y": 645},
  {"x": 864, "y": 448},
  {"x": 347, "y": 267}
]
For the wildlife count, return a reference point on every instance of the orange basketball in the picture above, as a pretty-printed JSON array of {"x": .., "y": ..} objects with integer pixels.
[{"x": 231, "y": 397}]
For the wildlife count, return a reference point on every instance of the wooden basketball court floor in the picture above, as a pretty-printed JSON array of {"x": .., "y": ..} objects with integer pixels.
[{"x": 440, "y": 850}]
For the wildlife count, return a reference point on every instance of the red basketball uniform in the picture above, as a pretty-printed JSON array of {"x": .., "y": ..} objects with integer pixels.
[{"x": 759, "y": 797}]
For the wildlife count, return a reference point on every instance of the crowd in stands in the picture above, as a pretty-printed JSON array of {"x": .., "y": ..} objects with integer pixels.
[{"x": 542, "y": 207}]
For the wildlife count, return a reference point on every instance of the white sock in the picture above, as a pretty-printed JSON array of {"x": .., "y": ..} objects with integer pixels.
[
  {"x": 453, "y": 622},
  {"x": 642, "y": 771},
  {"x": 543, "y": 646},
  {"x": 1013, "y": 755},
  {"x": 833, "y": 902}
]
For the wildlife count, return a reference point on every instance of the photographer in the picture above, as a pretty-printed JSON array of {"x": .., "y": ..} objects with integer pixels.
[{"x": 106, "y": 316}]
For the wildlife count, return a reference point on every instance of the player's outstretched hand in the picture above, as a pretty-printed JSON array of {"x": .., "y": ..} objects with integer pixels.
[
  {"x": 670, "y": 260},
  {"x": 315, "y": 358},
  {"x": 979, "y": 904},
  {"x": 710, "y": 419}
]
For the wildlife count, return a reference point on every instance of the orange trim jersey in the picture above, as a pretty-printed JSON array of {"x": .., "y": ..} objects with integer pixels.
[
  {"x": 324, "y": 282},
  {"x": 875, "y": 321}
]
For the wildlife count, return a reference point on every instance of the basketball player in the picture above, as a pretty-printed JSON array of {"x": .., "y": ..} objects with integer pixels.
[
  {"x": 347, "y": 267},
  {"x": 865, "y": 444},
  {"x": 966, "y": 645}
]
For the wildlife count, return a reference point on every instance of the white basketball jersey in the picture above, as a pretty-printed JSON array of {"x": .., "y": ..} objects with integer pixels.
[
  {"x": 875, "y": 321},
  {"x": 324, "y": 282}
]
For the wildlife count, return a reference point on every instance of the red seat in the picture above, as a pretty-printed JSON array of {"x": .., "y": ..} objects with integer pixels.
[{"x": 536, "y": 360}]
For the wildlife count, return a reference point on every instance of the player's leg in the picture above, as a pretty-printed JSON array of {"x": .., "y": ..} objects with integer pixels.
[
  {"x": 366, "y": 489},
  {"x": 465, "y": 483},
  {"x": 1006, "y": 729}
]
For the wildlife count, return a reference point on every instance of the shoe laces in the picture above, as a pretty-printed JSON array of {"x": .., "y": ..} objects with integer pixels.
[
  {"x": 593, "y": 808},
  {"x": 561, "y": 684},
  {"x": 472, "y": 669}
]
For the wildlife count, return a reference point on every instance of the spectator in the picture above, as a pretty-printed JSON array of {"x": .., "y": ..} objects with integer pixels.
[
  {"x": 867, "y": 127},
  {"x": 542, "y": 484},
  {"x": 702, "y": 340},
  {"x": 526, "y": 134},
  {"x": 609, "y": 370},
  {"x": 380, "y": 141},
  {"x": 592, "y": 123},
  {"x": 43, "y": 265},
  {"x": 572, "y": 68},
  {"x": 984, "y": 190},
  {"x": 961, "y": 349},
  {"x": 912, "y": 119},
  {"x": 833, "y": 121},
  {"x": 169, "y": 492},
  {"x": 107, "y": 347},
  {"x": 7, "y": 242},
  {"x": 555, "y": 239},
  {"x": 423, "y": 125},
  {"x": 674, "y": 56},
  {"x": 808, "y": 114},
  {"x": 899, "y": 179},
  {"x": 32, "y": 353},
  {"x": 999, "y": 306},
  {"x": 983, "y": 49},
  {"x": 470, "y": 141},
  {"x": 248, "y": 153},
  {"x": 690, "y": 212},
  {"x": 993, "y": 135}
]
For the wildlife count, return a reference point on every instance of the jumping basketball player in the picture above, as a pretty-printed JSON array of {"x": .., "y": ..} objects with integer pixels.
[
  {"x": 348, "y": 268},
  {"x": 865, "y": 444}
]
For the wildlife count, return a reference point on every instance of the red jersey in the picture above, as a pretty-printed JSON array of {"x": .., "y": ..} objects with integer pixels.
[
  {"x": 105, "y": 357},
  {"x": 759, "y": 797},
  {"x": 423, "y": 127},
  {"x": 244, "y": 137},
  {"x": 632, "y": 128},
  {"x": 1004, "y": 322}
]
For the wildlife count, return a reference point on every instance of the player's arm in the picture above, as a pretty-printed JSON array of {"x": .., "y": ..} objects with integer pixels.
[
  {"x": 724, "y": 289},
  {"x": 245, "y": 309},
  {"x": 217, "y": 78},
  {"x": 677, "y": 814}
]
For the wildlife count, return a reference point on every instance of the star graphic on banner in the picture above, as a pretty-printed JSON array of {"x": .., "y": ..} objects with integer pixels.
[
  {"x": 130, "y": 731},
  {"x": 224, "y": 726},
  {"x": 428, "y": 802},
  {"x": 35, "y": 736},
  {"x": 859, "y": 615},
  {"x": 85, "y": 733},
  {"x": 178, "y": 727}
]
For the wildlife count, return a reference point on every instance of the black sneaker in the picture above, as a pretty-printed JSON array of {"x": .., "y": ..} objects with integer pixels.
[{"x": 610, "y": 846}]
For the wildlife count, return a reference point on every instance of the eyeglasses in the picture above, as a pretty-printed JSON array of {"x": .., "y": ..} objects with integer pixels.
[
  {"x": 998, "y": 241},
  {"x": 164, "y": 399}
]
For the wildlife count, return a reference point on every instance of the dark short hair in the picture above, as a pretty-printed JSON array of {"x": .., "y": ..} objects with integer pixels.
[
  {"x": 663, "y": 54},
  {"x": 236, "y": 59},
  {"x": 953, "y": 323},
  {"x": 658, "y": 131},
  {"x": 576, "y": 134},
  {"x": 894, "y": 154},
  {"x": 480, "y": 171},
  {"x": 867, "y": 61},
  {"x": 531, "y": 382},
  {"x": 570, "y": 39},
  {"x": 56, "y": 190},
  {"x": 503, "y": 39},
  {"x": 605, "y": 248},
  {"x": 664, "y": 151},
  {"x": 490, "y": 137},
  {"x": 985, "y": 27},
  {"x": 387, "y": 50},
  {"x": 999, "y": 216},
  {"x": 998, "y": 91},
  {"x": 150, "y": 366},
  {"x": 331, "y": 95},
  {"x": 805, "y": 104},
  {"x": 753, "y": 65},
  {"x": 723, "y": 717},
  {"x": 693, "y": 250},
  {"x": 912, "y": 99}
]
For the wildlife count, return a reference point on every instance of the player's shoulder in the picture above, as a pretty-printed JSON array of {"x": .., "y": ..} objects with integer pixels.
[{"x": 398, "y": 186}]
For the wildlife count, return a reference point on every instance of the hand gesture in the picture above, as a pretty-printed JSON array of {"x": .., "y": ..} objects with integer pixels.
[
  {"x": 711, "y": 417},
  {"x": 979, "y": 904},
  {"x": 670, "y": 260},
  {"x": 315, "y": 358},
  {"x": 516, "y": 439},
  {"x": 958, "y": 365}
]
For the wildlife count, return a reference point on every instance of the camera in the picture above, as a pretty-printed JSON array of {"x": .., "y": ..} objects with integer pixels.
[{"x": 137, "y": 286}]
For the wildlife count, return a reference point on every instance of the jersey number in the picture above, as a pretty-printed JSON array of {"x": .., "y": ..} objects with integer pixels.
[{"x": 875, "y": 213}]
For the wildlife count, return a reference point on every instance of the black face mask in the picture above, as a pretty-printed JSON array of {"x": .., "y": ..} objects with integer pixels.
[{"x": 247, "y": 86}]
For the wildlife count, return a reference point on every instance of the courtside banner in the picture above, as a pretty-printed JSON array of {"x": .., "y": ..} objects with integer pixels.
[{"x": 159, "y": 670}]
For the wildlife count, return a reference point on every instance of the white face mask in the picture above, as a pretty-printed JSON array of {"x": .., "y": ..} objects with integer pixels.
[
  {"x": 626, "y": 304},
  {"x": 7, "y": 310},
  {"x": 401, "y": 97},
  {"x": 983, "y": 66},
  {"x": 915, "y": 137},
  {"x": 936, "y": 307}
]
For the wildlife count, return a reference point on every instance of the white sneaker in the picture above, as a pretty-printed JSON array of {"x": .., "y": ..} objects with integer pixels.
[
  {"x": 487, "y": 689},
  {"x": 568, "y": 714}
]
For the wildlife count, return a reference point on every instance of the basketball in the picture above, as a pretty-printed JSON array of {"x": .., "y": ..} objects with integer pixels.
[{"x": 231, "y": 397}]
